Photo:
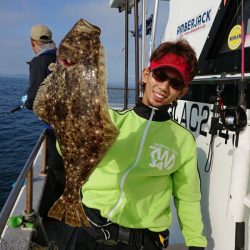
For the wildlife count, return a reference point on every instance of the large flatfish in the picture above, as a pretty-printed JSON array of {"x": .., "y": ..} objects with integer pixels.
[{"x": 73, "y": 100}]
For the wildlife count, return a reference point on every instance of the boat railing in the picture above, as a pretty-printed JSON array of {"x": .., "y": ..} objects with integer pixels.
[
  {"x": 216, "y": 79},
  {"x": 26, "y": 173}
]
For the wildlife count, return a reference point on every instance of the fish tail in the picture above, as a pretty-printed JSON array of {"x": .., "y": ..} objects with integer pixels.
[
  {"x": 71, "y": 214},
  {"x": 57, "y": 211},
  {"x": 75, "y": 216}
]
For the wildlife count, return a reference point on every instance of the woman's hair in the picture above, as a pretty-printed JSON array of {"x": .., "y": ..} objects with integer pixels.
[{"x": 179, "y": 47}]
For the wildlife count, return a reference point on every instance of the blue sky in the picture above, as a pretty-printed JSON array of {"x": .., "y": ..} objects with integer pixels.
[{"x": 17, "y": 17}]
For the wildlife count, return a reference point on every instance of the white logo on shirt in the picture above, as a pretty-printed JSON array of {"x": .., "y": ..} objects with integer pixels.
[{"x": 162, "y": 157}]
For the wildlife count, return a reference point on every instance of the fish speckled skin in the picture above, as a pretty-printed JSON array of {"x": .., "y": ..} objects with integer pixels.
[{"x": 73, "y": 100}]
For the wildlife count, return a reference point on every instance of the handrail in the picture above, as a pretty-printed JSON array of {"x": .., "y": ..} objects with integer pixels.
[
  {"x": 7, "y": 208},
  {"x": 29, "y": 192},
  {"x": 219, "y": 79}
]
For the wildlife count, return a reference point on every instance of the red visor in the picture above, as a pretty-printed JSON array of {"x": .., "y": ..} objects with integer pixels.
[{"x": 174, "y": 62}]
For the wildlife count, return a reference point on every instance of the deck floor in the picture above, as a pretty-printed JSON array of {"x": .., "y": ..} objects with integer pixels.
[{"x": 177, "y": 247}]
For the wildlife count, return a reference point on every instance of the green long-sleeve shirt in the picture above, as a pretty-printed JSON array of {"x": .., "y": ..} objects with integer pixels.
[{"x": 153, "y": 159}]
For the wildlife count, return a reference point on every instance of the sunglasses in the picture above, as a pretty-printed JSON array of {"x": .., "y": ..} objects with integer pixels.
[{"x": 161, "y": 75}]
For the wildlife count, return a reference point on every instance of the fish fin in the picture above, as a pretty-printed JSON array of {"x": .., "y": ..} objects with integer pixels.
[
  {"x": 71, "y": 214},
  {"x": 52, "y": 67},
  {"x": 39, "y": 106},
  {"x": 57, "y": 211},
  {"x": 111, "y": 130}
]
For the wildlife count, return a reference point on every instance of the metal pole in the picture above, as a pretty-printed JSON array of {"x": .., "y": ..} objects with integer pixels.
[
  {"x": 143, "y": 47},
  {"x": 242, "y": 86},
  {"x": 126, "y": 56},
  {"x": 152, "y": 42},
  {"x": 136, "y": 52},
  {"x": 29, "y": 192},
  {"x": 242, "y": 41}
]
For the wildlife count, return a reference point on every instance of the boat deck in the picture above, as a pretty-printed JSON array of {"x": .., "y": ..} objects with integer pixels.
[{"x": 20, "y": 237}]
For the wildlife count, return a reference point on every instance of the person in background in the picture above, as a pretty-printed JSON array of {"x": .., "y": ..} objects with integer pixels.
[
  {"x": 45, "y": 51},
  {"x": 127, "y": 197}
]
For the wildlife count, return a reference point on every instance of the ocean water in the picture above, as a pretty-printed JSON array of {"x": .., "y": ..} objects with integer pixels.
[{"x": 19, "y": 131}]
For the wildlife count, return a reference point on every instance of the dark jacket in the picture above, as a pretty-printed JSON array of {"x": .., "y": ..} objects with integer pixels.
[{"x": 38, "y": 72}]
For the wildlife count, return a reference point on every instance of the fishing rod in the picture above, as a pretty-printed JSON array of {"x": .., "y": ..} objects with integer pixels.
[
  {"x": 13, "y": 110},
  {"x": 16, "y": 108}
]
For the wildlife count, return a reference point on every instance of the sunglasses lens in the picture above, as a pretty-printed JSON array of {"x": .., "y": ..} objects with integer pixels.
[
  {"x": 177, "y": 84},
  {"x": 161, "y": 76}
]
